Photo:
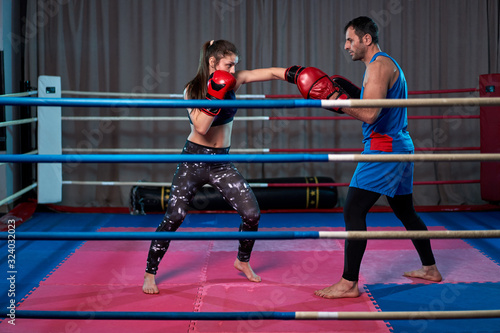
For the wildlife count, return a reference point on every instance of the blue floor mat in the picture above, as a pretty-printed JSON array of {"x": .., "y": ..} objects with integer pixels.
[
  {"x": 439, "y": 297},
  {"x": 35, "y": 260}
]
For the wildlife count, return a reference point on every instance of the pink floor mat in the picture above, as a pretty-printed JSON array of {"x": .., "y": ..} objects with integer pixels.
[{"x": 199, "y": 276}]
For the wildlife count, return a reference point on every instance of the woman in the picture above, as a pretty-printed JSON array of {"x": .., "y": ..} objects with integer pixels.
[{"x": 211, "y": 134}]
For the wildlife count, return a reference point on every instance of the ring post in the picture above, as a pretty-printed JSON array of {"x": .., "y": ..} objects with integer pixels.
[
  {"x": 49, "y": 141},
  {"x": 489, "y": 86}
]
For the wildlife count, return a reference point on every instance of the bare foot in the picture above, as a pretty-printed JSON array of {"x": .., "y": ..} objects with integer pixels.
[
  {"x": 247, "y": 270},
  {"x": 149, "y": 286},
  {"x": 342, "y": 289},
  {"x": 430, "y": 273}
]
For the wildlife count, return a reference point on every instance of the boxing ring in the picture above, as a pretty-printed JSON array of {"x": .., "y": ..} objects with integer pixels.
[{"x": 90, "y": 278}]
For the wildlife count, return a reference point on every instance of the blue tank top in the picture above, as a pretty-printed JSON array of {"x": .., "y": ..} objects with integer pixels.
[
  {"x": 225, "y": 115},
  {"x": 389, "y": 132}
]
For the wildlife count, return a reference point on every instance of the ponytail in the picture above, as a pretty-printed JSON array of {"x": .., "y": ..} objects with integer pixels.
[{"x": 197, "y": 87}]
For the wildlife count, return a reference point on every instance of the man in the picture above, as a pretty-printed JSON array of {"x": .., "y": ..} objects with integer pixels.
[{"x": 384, "y": 132}]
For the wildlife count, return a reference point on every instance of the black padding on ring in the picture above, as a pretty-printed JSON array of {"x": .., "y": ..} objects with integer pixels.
[{"x": 153, "y": 199}]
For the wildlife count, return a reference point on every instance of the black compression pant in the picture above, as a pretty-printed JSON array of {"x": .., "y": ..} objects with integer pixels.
[
  {"x": 357, "y": 205},
  {"x": 188, "y": 179}
]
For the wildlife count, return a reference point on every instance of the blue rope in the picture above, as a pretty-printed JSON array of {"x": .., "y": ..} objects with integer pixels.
[
  {"x": 159, "y": 103},
  {"x": 178, "y": 235},
  {"x": 251, "y": 315},
  {"x": 171, "y": 158},
  {"x": 153, "y": 315}
]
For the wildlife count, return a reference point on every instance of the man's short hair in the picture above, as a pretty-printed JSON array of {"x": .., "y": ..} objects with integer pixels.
[{"x": 364, "y": 25}]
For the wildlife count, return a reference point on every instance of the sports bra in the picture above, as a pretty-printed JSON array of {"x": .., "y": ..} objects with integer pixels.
[{"x": 225, "y": 115}]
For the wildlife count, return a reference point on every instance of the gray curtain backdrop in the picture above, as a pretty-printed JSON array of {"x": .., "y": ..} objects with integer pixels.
[{"x": 153, "y": 47}]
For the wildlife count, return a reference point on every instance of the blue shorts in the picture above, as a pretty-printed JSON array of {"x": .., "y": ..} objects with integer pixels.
[{"x": 387, "y": 178}]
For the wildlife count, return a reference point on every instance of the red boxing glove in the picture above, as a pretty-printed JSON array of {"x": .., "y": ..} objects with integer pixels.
[
  {"x": 219, "y": 83},
  {"x": 313, "y": 83}
]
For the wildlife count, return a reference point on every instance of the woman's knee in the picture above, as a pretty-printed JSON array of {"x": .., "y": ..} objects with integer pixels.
[{"x": 251, "y": 217}]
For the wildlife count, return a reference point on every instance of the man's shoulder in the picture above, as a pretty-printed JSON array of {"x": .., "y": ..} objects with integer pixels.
[
  {"x": 383, "y": 59},
  {"x": 380, "y": 65},
  {"x": 383, "y": 64}
]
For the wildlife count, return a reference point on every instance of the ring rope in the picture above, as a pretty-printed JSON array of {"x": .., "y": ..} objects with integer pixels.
[
  {"x": 264, "y": 158},
  {"x": 363, "y": 103},
  {"x": 252, "y": 315},
  {"x": 141, "y": 183},
  {"x": 21, "y": 94},
  {"x": 248, "y": 150},
  {"x": 262, "y": 235},
  {"x": 118, "y": 94},
  {"x": 345, "y": 150},
  {"x": 254, "y": 118},
  {"x": 33, "y": 152},
  {"x": 342, "y": 150},
  {"x": 18, "y": 122},
  {"x": 443, "y": 91},
  {"x": 352, "y": 118},
  {"x": 137, "y": 95},
  {"x": 158, "y": 103},
  {"x": 443, "y": 117},
  {"x": 16, "y": 195},
  {"x": 152, "y": 150},
  {"x": 249, "y": 118},
  {"x": 291, "y": 103},
  {"x": 114, "y": 183},
  {"x": 256, "y": 96},
  {"x": 415, "y": 92}
]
